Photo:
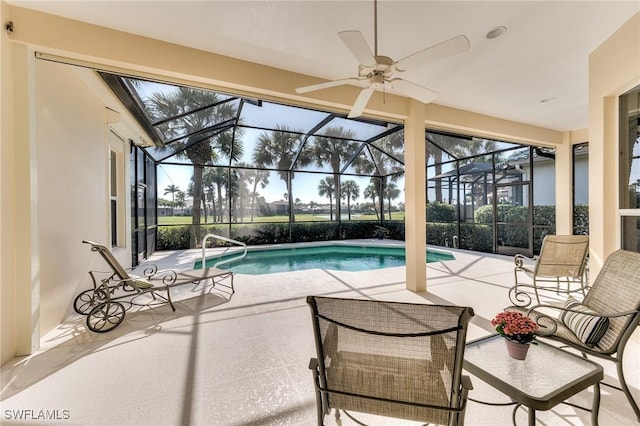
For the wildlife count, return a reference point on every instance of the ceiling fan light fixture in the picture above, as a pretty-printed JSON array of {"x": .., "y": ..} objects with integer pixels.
[
  {"x": 377, "y": 72},
  {"x": 496, "y": 32}
]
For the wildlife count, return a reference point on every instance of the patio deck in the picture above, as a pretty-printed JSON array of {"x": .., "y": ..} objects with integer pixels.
[{"x": 245, "y": 361}]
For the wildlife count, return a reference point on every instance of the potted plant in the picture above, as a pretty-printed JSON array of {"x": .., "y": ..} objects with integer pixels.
[{"x": 518, "y": 331}]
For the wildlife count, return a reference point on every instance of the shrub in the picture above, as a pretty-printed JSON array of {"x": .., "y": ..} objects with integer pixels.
[
  {"x": 314, "y": 231},
  {"x": 396, "y": 230},
  {"x": 476, "y": 237},
  {"x": 484, "y": 214},
  {"x": 441, "y": 234},
  {"x": 581, "y": 219},
  {"x": 355, "y": 230},
  {"x": 173, "y": 237},
  {"x": 438, "y": 211},
  {"x": 544, "y": 215}
]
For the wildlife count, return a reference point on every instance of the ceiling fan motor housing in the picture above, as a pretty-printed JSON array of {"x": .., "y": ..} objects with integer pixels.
[{"x": 383, "y": 67}]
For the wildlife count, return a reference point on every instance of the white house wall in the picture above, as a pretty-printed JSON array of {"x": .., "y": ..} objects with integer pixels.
[
  {"x": 582, "y": 180},
  {"x": 544, "y": 181},
  {"x": 614, "y": 68},
  {"x": 73, "y": 152}
]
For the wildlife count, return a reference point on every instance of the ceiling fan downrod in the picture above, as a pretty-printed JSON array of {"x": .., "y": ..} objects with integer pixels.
[{"x": 375, "y": 27}]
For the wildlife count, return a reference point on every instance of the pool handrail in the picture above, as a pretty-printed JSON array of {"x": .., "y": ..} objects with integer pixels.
[{"x": 229, "y": 240}]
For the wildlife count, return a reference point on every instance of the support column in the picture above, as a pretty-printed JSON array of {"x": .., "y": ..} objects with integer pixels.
[
  {"x": 415, "y": 197},
  {"x": 27, "y": 281},
  {"x": 564, "y": 186}
]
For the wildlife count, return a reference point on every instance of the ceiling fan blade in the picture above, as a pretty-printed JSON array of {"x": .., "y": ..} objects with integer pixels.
[
  {"x": 413, "y": 90},
  {"x": 361, "y": 102},
  {"x": 333, "y": 83},
  {"x": 453, "y": 46},
  {"x": 358, "y": 46}
]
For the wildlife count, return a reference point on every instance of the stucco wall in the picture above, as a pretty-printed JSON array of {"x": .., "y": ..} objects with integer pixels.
[
  {"x": 614, "y": 68},
  {"x": 7, "y": 195},
  {"x": 71, "y": 177},
  {"x": 73, "y": 153}
]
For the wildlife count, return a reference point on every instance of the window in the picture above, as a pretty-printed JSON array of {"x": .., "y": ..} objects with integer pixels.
[
  {"x": 629, "y": 184},
  {"x": 116, "y": 190}
]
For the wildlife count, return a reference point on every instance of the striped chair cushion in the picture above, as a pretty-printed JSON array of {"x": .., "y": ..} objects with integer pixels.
[{"x": 587, "y": 325}]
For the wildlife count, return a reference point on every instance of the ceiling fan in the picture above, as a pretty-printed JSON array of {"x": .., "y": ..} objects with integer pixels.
[{"x": 377, "y": 72}]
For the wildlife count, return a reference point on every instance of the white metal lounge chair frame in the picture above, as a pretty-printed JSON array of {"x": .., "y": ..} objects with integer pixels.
[{"x": 101, "y": 303}]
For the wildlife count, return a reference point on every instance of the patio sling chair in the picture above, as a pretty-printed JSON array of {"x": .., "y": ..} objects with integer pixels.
[
  {"x": 101, "y": 303},
  {"x": 603, "y": 322},
  {"x": 391, "y": 359},
  {"x": 562, "y": 260}
]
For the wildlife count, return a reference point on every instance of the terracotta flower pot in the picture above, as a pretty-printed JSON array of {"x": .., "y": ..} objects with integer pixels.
[{"x": 517, "y": 350}]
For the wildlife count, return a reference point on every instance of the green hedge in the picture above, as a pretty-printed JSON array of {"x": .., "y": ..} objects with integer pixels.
[
  {"x": 438, "y": 211},
  {"x": 181, "y": 237},
  {"x": 581, "y": 219},
  {"x": 476, "y": 237},
  {"x": 173, "y": 237},
  {"x": 440, "y": 229},
  {"x": 441, "y": 234}
]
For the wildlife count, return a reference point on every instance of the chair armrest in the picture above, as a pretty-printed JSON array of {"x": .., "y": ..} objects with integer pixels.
[
  {"x": 562, "y": 308},
  {"x": 521, "y": 258},
  {"x": 149, "y": 270},
  {"x": 548, "y": 324},
  {"x": 166, "y": 276},
  {"x": 101, "y": 277}
]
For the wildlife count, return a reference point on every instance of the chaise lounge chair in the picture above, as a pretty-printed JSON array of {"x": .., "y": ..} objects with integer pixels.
[
  {"x": 101, "y": 306},
  {"x": 603, "y": 322},
  {"x": 391, "y": 359}
]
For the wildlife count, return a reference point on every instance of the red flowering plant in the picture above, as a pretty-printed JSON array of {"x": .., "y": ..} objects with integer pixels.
[{"x": 515, "y": 327}]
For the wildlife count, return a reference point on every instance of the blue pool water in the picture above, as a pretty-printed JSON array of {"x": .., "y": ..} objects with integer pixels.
[{"x": 333, "y": 257}]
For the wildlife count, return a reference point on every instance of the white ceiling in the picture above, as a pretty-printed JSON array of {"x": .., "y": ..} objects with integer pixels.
[{"x": 543, "y": 54}]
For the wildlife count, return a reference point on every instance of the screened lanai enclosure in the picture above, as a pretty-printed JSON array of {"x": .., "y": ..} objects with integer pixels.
[{"x": 262, "y": 173}]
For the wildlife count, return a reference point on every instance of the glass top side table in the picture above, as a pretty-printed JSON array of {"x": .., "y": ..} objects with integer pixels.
[{"x": 547, "y": 377}]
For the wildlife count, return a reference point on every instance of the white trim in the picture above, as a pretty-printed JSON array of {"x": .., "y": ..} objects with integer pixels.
[{"x": 117, "y": 146}]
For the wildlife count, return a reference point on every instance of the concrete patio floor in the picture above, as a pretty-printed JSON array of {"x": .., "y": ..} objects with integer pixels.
[{"x": 245, "y": 361}]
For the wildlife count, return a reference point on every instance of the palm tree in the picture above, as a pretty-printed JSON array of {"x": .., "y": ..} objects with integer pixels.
[
  {"x": 391, "y": 192},
  {"x": 200, "y": 147},
  {"x": 233, "y": 191},
  {"x": 257, "y": 178},
  {"x": 172, "y": 189},
  {"x": 459, "y": 148},
  {"x": 383, "y": 163},
  {"x": 180, "y": 202},
  {"x": 278, "y": 149},
  {"x": 371, "y": 191},
  {"x": 312, "y": 206},
  {"x": 240, "y": 178},
  {"x": 351, "y": 191},
  {"x": 335, "y": 148},
  {"x": 219, "y": 178},
  {"x": 326, "y": 187}
]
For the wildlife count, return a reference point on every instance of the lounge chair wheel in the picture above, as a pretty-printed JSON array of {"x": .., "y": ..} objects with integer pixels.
[
  {"x": 105, "y": 317},
  {"x": 87, "y": 300}
]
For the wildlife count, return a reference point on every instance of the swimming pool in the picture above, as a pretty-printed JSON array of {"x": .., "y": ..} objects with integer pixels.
[{"x": 334, "y": 257}]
